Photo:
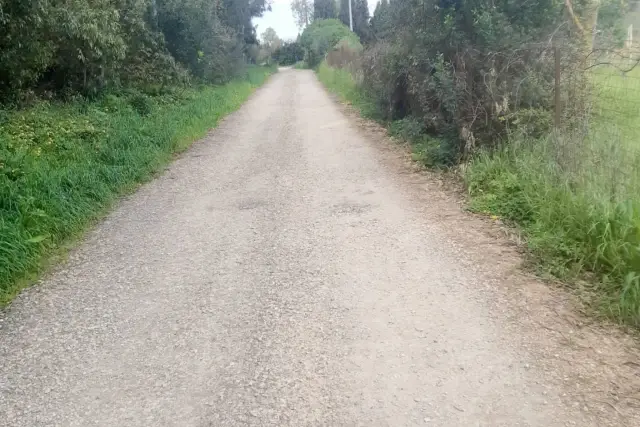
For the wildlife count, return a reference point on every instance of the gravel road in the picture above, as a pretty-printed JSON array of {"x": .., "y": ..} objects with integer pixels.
[{"x": 277, "y": 274}]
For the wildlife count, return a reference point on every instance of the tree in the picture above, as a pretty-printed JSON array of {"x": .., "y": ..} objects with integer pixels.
[
  {"x": 302, "y": 12},
  {"x": 381, "y": 25},
  {"x": 589, "y": 17},
  {"x": 89, "y": 45},
  {"x": 270, "y": 40},
  {"x": 324, "y": 9},
  {"x": 289, "y": 53},
  {"x": 360, "y": 13},
  {"x": 322, "y": 36}
]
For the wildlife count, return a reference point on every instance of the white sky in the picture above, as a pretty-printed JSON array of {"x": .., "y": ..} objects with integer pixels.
[{"x": 281, "y": 19}]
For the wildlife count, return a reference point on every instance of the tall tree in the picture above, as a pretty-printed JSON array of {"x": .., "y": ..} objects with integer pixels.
[
  {"x": 381, "y": 24},
  {"x": 270, "y": 40},
  {"x": 360, "y": 13},
  {"x": 324, "y": 9},
  {"x": 87, "y": 45},
  {"x": 343, "y": 13},
  {"x": 302, "y": 12}
]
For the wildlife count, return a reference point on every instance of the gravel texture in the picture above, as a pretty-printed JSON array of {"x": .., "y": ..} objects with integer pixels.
[{"x": 277, "y": 274}]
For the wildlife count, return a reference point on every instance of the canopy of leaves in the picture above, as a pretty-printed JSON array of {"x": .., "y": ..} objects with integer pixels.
[
  {"x": 289, "y": 53},
  {"x": 74, "y": 45},
  {"x": 360, "y": 13},
  {"x": 324, "y": 9}
]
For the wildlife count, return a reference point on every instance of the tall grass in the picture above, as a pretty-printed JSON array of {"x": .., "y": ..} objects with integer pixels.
[
  {"x": 576, "y": 196},
  {"x": 62, "y": 164},
  {"x": 342, "y": 83}
]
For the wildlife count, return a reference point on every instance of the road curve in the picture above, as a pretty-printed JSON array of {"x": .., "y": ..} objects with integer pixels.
[{"x": 277, "y": 274}]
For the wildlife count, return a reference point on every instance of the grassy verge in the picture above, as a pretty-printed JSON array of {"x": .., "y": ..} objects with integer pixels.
[
  {"x": 62, "y": 165},
  {"x": 576, "y": 198},
  {"x": 343, "y": 84},
  {"x": 579, "y": 221}
]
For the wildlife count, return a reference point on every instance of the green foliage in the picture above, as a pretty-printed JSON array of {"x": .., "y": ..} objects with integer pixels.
[
  {"x": 289, "y": 53},
  {"x": 342, "y": 83},
  {"x": 142, "y": 104},
  {"x": 62, "y": 164},
  {"x": 322, "y": 36},
  {"x": 448, "y": 63},
  {"x": 55, "y": 47},
  {"x": 409, "y": 128},
  {"x": 360, "y": 13},
  {"x": 381, "y": 21},
  {"x": 581, "y": 220},
  {"x": 324, "y": 9}
]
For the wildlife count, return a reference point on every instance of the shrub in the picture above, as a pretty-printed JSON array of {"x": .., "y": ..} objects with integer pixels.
[
  {"x": 321, "y": 36},
  {"x": 462, "y": 76},
  {"x": 141, "y": 104},
  {"x": 289, "y": 53}
]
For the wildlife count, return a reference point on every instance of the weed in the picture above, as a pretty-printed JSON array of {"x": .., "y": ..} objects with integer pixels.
[
  {"x": 142, "y": 104},
  {"x": 579, "y": 217}
]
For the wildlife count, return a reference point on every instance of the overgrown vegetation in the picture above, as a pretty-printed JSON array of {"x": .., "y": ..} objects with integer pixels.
[
  {"x": 289, "y": 53},
  {"x": 474, "y": 83},
  {"x": 574, "y": 194},
  {"x": 61, "y": 47},
  {"x": 323, "y": 35}
]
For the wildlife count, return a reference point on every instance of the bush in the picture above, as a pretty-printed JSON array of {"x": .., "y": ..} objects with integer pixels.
[
  {"x": 461, "y": 77},
  {"x": 141, "y": 104},
  {"x": 289, "y": 53},
  {"x": 321, "y": 36},
  {"x": 53, "y": 47}
]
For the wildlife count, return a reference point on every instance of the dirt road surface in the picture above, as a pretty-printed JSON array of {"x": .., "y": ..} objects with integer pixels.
[{"x": 289, "y": 270}]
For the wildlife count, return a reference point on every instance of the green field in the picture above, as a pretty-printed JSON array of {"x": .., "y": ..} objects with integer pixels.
[{"x": 63, "y": 164}]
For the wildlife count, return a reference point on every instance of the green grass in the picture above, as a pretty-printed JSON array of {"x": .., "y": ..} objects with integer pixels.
[
  {"x": 63, "y": 164},
  {"x": 576, "y": 197},
  {"x": 342, "y": 83},
  {"x": 617, "y": 99}
]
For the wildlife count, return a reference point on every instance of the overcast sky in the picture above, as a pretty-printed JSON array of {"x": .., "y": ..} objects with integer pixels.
[{"x": 281, "y": 19}]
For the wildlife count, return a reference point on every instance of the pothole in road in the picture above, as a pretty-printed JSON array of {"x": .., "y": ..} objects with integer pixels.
[{"x": 351, "y": 208}]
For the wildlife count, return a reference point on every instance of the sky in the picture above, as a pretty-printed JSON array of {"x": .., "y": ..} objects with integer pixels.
[{"x": 281, "y": 19}]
